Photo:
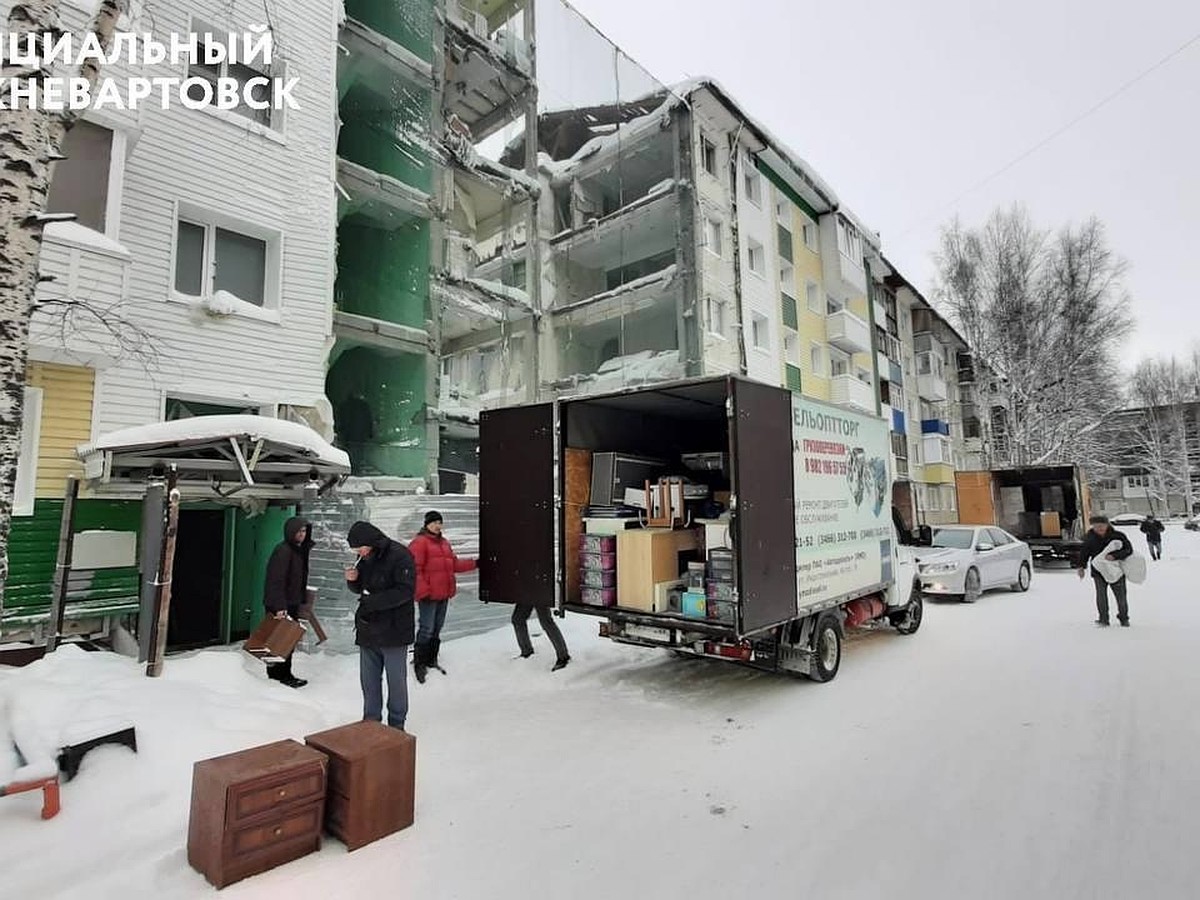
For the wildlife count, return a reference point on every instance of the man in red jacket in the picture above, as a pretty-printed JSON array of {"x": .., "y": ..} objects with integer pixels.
[{"x": 436, "y": 586}]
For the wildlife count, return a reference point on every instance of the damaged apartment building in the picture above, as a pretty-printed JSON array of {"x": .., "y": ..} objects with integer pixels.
[
  {"x": 682, "y": 239},
  {"x": 429, "y": 290}
]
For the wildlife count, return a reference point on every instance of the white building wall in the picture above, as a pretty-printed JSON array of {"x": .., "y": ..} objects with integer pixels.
[
  {"x": 760, "y": 289},
  {"x": 280, "y": 184}
]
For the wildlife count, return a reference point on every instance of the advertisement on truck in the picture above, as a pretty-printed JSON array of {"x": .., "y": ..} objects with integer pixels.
[{"x": 843, "y": 502}]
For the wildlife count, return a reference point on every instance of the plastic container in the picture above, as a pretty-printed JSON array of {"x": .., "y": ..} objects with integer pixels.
[
  {"x": 597, "y": 543},
  {"x": 598, "y": 578},
  {"x": 719, "y": 590},
  {"x": 722, "y": 611},
  {"x": 600, "y": 596},
  {"x": 695, "y": 576},
  {"x": 598, "y": 562},
  {"x": 695, "y": 605}
]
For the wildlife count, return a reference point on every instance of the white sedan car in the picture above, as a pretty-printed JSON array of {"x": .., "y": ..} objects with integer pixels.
[{"x": 966, "y": 560}]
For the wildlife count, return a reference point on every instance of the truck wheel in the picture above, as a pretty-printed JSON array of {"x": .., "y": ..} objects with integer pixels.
[
  {"x": 909, "y": 619},
  {"x": 1024, "y": 578},
  {"x": 827, "y": 648},
  {"x": 972, "y": 586}
]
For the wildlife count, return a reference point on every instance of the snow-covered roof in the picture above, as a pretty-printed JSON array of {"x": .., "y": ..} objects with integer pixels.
[{"x": 256, "y": 452}]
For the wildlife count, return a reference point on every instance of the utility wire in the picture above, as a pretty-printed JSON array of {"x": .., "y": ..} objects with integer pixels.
[{"x": 1057, "y": 133}]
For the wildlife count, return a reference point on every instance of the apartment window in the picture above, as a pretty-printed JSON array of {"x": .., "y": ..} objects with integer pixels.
[
  {"x": 1137, "y": 482},
  {"x": 753, "y": 181},
  {"x": 27, "y": 460},
  {"x": 783, "y": 213},
  {"x": 715, "y": 238},
  {"x": 708, "y": 153},
  {"x": 243, "y": 74},
  {"x": 813, "y": 295},
  {"x": 716, "y": 316},
  {"x": 849, "y": 241},
  {"x": 760, "y": 332},
  {"x": 839, "y": 363},
  {"x": 213, "y": 253},
  {"x": 757, "y": 257},
  {"x": 1108, "y": 484},
  {"x": 787, "y": 278},
  {"x": 811, "y": 238},
  {"x": 833, "y": 307},
  {"x": 79, "y": 183},
  {"x": 789, "y": 347},
  {"x": 817, "y": 361}
]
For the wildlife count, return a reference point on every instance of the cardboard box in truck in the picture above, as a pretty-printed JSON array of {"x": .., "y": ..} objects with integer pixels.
[{"x": 808, "y": 550}]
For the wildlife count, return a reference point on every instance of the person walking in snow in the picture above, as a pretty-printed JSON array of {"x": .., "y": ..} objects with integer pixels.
[
  {"x": 1153, "y": 529},
  {"x": 520, "y": 622},
  {"x": 385, "y": 579},
  {"x": 1097, "y": 547},
  {"x": 285, "y": 588},
  {"x": 437, "y": 567}
]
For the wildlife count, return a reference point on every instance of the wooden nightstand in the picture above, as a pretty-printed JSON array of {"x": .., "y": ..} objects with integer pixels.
[
  {"x": 372, "y": 781},
  {"x": 255, "y": 810}
]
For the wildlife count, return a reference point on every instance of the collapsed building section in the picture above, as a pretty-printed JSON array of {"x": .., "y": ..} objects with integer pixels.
[{"x": 421, "y": 84}]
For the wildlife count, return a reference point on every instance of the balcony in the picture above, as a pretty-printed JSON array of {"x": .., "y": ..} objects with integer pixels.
[
  {"x": 935, "y": 426},
  {"x": 843, "y": 271},
  {"x": 933, "y": 388},
  {"x": 938, "y": 473},
  {"x": 936, "y": 449},
  {"x": 973, "y": 446},
  {"x": 899, "y": 424},
  {"x": 848, "y": 332},
  {"x": 488, "y": 66},
  {"x": 848, "y": 391}
]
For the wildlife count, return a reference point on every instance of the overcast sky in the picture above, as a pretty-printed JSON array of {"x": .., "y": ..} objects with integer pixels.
[{"x": 905, "y": 106}]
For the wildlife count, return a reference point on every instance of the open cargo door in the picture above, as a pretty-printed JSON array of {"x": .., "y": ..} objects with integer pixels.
[
  {"x": 516, "y": 505},
  {"x": 765, "y": 527},
  {"x": 976, "y": 498}
]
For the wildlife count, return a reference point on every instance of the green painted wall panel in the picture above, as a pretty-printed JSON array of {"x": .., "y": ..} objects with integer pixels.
[
  {"x": 384, "y": 274},
  {"x": 391, "y": 388},
  {"x": 33, "y": 551},
  {"x": 386, "y": 129},
  {"x": 407, "y": 22}
]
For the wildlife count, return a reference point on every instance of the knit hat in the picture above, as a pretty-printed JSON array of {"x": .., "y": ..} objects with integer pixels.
[
  {"x": 431, "y": 517},
  {"x": 1099, "y": 520}
]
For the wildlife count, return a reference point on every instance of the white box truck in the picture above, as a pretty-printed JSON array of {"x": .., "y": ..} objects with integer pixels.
[{"x": 809, "y": 531}]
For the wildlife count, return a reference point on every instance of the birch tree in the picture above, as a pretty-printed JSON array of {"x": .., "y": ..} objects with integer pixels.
[
  {"x": 1167, "y": 440},
  {"x": 30, "y": 142},
  {"x": 1044, "y": 314}
]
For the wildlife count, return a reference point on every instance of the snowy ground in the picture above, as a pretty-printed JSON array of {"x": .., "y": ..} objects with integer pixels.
[{"x": 1010, "y": 749}]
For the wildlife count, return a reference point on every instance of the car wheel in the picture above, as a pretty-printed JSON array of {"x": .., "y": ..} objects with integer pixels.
[
  {"x": 972, "y": 586},
  {"x": 908, "y": 620},
  {"x": 1024, "y": 578},
  {"x": 826, "y": 649}
]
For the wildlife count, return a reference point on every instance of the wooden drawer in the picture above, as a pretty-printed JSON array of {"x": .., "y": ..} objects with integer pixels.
[
  {"x": 248, "y": 801},
  {"x": 303, "y": 822},
  {"x": 255, "y": 810}
]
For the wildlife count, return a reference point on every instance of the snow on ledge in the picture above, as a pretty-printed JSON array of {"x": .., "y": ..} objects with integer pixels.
[
  {"x": 201, "y": 429},
  {"x": 81, "y": 236}
]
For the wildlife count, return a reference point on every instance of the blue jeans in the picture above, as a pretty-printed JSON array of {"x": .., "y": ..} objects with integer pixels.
[
  {"x": 430, "y": 619},
  {"x": 373, "y": 664}
]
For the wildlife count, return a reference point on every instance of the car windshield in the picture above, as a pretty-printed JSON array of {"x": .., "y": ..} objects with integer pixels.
[{"x": 954, "y": 538}]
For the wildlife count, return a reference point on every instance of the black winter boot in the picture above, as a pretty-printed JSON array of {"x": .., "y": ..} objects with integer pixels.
[
  {"x": 434, "y": 646},
  {"x": 421, "y": 662}
]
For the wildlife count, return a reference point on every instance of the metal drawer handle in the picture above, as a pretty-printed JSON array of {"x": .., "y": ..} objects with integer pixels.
[
  {"x": 283, "y": 792},
  {"x": 278, "y": 832}
]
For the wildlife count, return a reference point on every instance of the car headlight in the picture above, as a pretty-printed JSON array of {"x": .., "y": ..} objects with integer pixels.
[{"x": 939, "y": 569}]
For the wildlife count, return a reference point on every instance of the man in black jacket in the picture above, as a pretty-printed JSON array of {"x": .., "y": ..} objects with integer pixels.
[
  {"x": 385, "y": 578},
  {"x": 286, "y": 585},
  {"x": 1153, "y": 529},
  {"x": 1095, "y": 545}
]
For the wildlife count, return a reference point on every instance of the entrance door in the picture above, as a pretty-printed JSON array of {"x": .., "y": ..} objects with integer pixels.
[{"x": 198, "y": 577}]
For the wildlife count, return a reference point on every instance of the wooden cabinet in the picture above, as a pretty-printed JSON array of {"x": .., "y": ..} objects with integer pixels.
[
  {"x": 255, "y": 810},
  {"x": 372, "y": 781},
  {"x": 651, "y": 556}
]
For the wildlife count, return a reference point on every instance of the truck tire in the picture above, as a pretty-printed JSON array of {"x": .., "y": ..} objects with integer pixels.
[
  {"x": 908, "y": 620},
  {"x": 972, "y": 586},
  {"x": 1024, "y": 578},
  {"x": 826, "y": 648}
]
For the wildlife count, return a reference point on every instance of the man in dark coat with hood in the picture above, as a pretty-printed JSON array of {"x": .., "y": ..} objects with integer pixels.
[
  {"x": 286, "y": 587},
  {"x": 385, "y": 578},
  {"x": 1096, "y": 544},
  {"x": 1153, "y": 529}
]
